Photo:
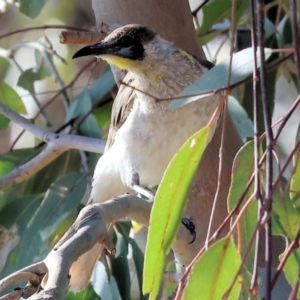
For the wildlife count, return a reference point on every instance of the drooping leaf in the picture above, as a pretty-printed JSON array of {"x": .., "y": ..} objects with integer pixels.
[
  {"x": 242, "y": 170},
  {"x": 43, "y": 179},
  {"x": 102, "y": 115},
  {"x": 102, "y": 86},
  {"x": 31, "y": 8},
  {"x": 295, "y": 181},
  {"x": 11, "y": 99},
  {"x": 240, "y": 118},
  {"x": 213, "y": 274},
  {"x": 11, "y": 160},
  {"x": 61, "y": 199},
  {"x": 27, "y": 79},
  {"x": 218, "y": 11},
  {"x": 292, "y": 269},
  {"x": 120, "y": 268},
  {"x": 17, "y": 212},
  {"x": 217, "y": 77},
  {"x": 168, "y": 206},
  {"x": 90, "y": 127},
  {"x": 100, "y": 282},
  {"x": 286, "y": 218},
  {"x": 80, "y": 106},
  {"x": 138, "y": 258},
  {"x": 114, "y": 289}
]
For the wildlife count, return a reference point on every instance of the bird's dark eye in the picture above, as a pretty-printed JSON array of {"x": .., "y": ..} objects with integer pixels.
[{"x": 126, "y": 41}]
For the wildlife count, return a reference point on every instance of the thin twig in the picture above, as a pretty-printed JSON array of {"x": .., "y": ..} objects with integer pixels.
[
  {"x": 256, "y": 145},
  {"x": 269, "y": 147},
  {"x": 43, "y": 28},
  {"x": 296, "y": 36}
]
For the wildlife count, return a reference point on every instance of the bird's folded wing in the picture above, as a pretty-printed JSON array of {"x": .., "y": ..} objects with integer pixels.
[{"x": 121, "y": 107}]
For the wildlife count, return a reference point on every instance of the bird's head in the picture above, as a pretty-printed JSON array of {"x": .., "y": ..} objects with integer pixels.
[{"x": 124, "y": 47}]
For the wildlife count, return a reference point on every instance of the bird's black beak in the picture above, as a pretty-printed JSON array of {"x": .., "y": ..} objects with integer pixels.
[{"x": 97, "y": 49}]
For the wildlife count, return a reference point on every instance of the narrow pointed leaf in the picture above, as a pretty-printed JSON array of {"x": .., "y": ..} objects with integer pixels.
[
  {"x": 242, "y": 170},
  {"x": 217, "y": 77},
  {"x": 168, "y": 207}
]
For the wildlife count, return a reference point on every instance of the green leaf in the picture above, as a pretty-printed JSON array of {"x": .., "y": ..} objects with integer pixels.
[
  {"x": 217, "y": 77},
  {"x": 100, "y": 282},
  {"x": 17, "y": 212},
  {"x": 295, "y": 181},
  {"x": 4, "y": 67},
  {"x": 31, "y": 8},
  {"x": 11, "y": 99},
  {"x": 87, "y": 294},
  {"x": 102, "y": 115},
  {"x": 90, "y": 127},
  {"x": 80, "y": 106},
  {"x": 61, "y": 199},
  {"x": 292, "y": 269},
  {"x": 169, "y": 203},
  {"x": 11, "y": 160},
  {"x": 61, "y": 165},
  {"x": 28, "y": 77},
  {"x": 213, "y": 273},
  {"x": 218, "y": 11},
  {"x": 114, "y": 289},
  {"x": 138, "y": 258},
  {"x": 242, "y": 170},
  {"x": 240, "y": 118},
  {"x": 120, "y": 268},
  {"x": 101, "y": 87},
  {"x": 286, "y": 218}
]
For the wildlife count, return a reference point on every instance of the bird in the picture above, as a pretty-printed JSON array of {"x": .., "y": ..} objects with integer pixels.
[{"x": 144, "y": 133}]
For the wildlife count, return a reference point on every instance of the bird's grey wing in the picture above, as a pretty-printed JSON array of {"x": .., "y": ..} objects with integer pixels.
[{"x": 121, "y": 108}]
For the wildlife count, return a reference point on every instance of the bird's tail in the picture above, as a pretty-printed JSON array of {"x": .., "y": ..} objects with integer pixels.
[{"x": 82, "y": 269}]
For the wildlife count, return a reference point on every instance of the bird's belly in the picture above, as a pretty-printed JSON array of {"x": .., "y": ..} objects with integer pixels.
[{"x": 155, "y": 141}]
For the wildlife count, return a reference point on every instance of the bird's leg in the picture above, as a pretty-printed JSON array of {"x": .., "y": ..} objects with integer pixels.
[{"x": 135, "y": 186}]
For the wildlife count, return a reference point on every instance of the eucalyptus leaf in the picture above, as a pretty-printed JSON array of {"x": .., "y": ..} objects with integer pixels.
[
  {"x": 213, "y": 274},
  {"x": 100, "y": 282},
  {"x": 240, "y": 118},
  {"x": 32, "y": 8},
  {"x": 168, "y": 206},
  {"x": 242, "y": 170},
  {"x": 87, "y": 294},
  {"x": 218, "y": 11},
  {"x": 120, "y": 268},
  {"x": 11, "y": 99},
  {"x": 61, "y": 199},
  {"x": 240, "y": 68}
]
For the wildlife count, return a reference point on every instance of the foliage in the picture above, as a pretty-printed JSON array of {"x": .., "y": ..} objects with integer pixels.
[{"x": 45, "y": 205}]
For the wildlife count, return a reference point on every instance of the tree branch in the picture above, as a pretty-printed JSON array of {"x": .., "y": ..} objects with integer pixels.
[
  {"x": 88, "y": 230},
  {"x": 56, "y": 145}
]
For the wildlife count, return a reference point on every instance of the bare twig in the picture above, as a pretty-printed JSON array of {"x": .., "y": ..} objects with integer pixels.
[
  {"x": 256, "y": 144},
  {"x": 296, "y": 36},
  {"x": 43, "y": 28},
  {"x": 57, "y": 144},
  {"x": 269, "y": 147}
]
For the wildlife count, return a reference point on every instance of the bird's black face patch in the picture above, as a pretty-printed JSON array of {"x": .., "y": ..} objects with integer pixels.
[
  {"x": 127, "y": 47},
  {"x": 126, "y": 42}
]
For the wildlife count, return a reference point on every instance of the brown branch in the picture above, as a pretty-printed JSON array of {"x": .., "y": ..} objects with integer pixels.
[
  {"x": 43, "y": 28},
  {"x": 87, "y": 231},
  {"x": 85, "y": 38}
]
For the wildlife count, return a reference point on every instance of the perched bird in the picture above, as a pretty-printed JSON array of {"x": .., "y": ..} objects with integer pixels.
[{"x": 144, "y": 134}]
